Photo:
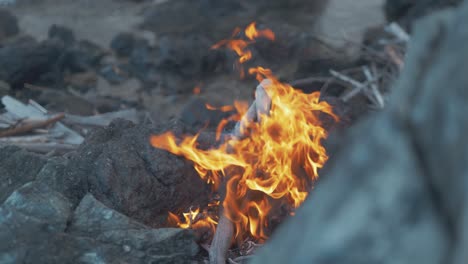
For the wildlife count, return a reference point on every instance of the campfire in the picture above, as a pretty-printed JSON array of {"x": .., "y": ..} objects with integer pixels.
[{"x": 263, "y": 169}]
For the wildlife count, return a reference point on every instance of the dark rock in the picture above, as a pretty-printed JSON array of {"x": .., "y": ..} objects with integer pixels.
[
  {"x": 17, "y": 167},
  {"x": 408, "y": 11},
  {"x": 196, "y": 114},
  {"x": 123, "y": 44},
  {"x": 62, "y": 33},
  {"x": 27, "y": 62},
  {"x": 93, "y": 219},
  {"x": 81, "y": 57},
  {"x": 8, "y": 24},
  {"x": 126, "y": 173}
]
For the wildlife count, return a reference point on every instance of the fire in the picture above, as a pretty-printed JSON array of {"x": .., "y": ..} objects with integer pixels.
[
  {"x": 274, "y": 165},
  {"x": 193, "y": 219},
  {"x": 240, "y": 45}
]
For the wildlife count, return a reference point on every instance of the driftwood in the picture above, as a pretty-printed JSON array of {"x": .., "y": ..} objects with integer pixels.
[
  {"x": 31, "y": 111},
  {"x": 225, "y": 229},
  {"x": 29, "y": 125}
]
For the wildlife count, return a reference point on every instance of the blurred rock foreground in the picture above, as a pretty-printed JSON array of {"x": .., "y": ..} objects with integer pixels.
[{"x": 397, "y": 191}]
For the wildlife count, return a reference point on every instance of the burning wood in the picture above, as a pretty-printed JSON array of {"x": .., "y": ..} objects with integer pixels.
[{"x": 270, "y": 161}]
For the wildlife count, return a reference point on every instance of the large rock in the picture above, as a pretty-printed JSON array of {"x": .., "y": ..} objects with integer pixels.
[
  {"x": 26, "y": 62},
  {"x": 17, "y": 167},
  {"x": 396, "y": 193},
  {"x": 120, "y": 168}
]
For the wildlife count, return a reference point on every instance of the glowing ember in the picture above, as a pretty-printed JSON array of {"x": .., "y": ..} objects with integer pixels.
[
  {"x": 197, "y": 90},
  {"x": 273, "y": 166}
]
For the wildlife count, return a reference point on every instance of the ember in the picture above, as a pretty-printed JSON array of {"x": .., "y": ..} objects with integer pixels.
[{"x": 273, "y": 164}]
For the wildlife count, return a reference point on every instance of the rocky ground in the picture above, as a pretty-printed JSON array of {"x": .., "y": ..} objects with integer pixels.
[{"x": 107, "y": 200}]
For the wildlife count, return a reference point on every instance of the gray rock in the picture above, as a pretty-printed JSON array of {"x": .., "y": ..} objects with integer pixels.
[
  {"x": 93, "y": 219},
  {"x": 8, "y": 24},
  {"x": 17, "y": 167},
  {"x": 396, "y": 193},
  {"x": 28, "y": 217},
  {"x": 55, "y": 175}
]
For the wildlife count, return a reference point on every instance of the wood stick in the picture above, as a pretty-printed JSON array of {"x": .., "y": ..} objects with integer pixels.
[
  {"x": 29, "y": 126},
  {"x": 225, "y": 229},
  {"x": 370, "y": 78},
  {"x": 221, "y": 240}
]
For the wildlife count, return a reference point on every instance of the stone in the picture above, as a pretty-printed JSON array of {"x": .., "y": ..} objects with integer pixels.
[
  {"x": 8, "y": 24},
  {"x": 29, "y": 217},
  {"x": 123, "y": 44},
  {"x": 62, "y": 33},
  {"x": 396, "y": 191},
  {"x": 122, "y": 170},
  {"x": 26, "y": 62},
  {"x": 17, "y": 167},
  {"x": 93, "y": 219}
]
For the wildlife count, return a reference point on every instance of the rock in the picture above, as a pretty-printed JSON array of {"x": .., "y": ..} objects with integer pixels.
[
  {"x": 407, "y": 11},
  {"x": 17, "y": 167},
  {"x": 26, "y": 62},
  {"x": 196, "y": 115},
  {"x": 4, "y": 88},
  {"x": 93, "y": 219},
  {"x": 62, "y": 33},
  {"x": 54, "y": 174},
  {"x": 122, "y": 170},
  {"x": 346, "y": 12},
  {"x": 81, "y": 57},
  {"x": 396, "y": 192},
  {"x": 123, "y": 44},
  {"x": 8, "y": 24},
  {"x": 29, "y": 217},
  {"x": 63, "y": 248}
]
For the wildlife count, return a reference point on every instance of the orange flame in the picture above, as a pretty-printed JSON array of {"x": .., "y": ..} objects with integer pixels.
[
  {"x": 275, "y": 164},
  {"x": 194, "y": 220},
  {"x": 239, "y": 46}
]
